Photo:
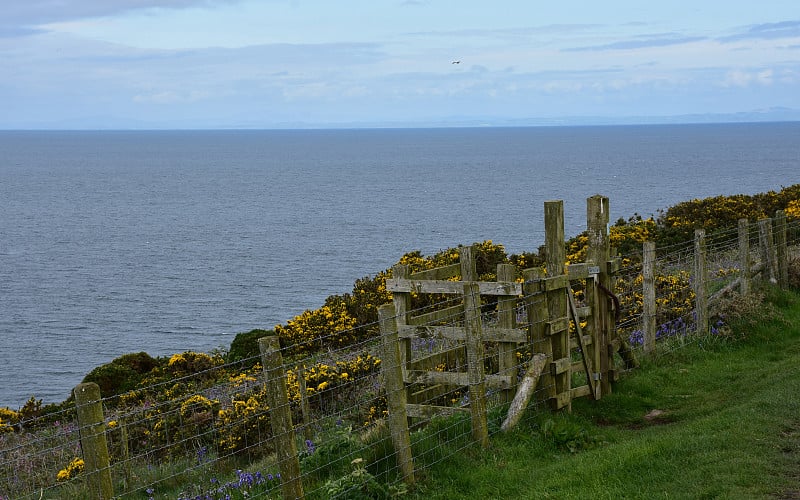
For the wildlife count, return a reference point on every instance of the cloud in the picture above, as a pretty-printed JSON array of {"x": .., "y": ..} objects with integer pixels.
[
  {"x": 765, "y": 77},
  {"x": 21, "y": 17},
  {"x": 641, "y": 43},
  {"x": 766, "y": 31}
]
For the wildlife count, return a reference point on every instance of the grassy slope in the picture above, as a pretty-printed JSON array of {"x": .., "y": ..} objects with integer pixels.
[{"x": 731, "y": 429}]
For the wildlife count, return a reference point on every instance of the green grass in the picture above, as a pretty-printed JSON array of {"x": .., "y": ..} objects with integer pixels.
[{"x": 730, "y": 428}]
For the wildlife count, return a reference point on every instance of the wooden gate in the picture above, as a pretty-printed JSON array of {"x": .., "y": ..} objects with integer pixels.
[{"x": 537, "y": 317}]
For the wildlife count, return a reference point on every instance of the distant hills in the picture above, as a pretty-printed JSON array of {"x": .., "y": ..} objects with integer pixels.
[{"x": 777, "y": 114}]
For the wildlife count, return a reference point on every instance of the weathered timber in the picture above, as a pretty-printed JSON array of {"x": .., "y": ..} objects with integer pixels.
[
  {"x": 429, "y": 411},
  {"x": 598, "y": 253},
  {"x": 582, "y": 391},
  {"x": 560, "y": 282},
  {"x": 452, "y": 287},
  {"x": 305, "y": 406},
  {"x": 455, "y": 379},
  {"x": 559, "y": 366},
  {"x": 744, "y": 255},
  {"x": 579, "y": 271},
  {"x": 536, "y": 310},
  {"x": 396, "y": 397},
  {"x": 453, "y": 356},
  {"x": 767, "y": 244},
  {"x": 584, "y": 311},
  {"x": 402, "y": 306},
  {"x": 490, "y": 334},
  {"x": 475, "y": 356},
  {"x": 781, "y": 255},
  {"x": 558, "y": 326},
  {"x": 506, "y": 321},
  {"x": 89, "y": 407},
  {"x": 700, "y": 281},
  {"x": 525, "y": 391},
  {"x": 438, "y": 273},
  {"x": 280, "y": 417},
  {"x": 586, "y": 357},
  {"x": 574, "y": 343},
  {"x": 649, "y": 296},
  {"x": 442, "y": 315}
]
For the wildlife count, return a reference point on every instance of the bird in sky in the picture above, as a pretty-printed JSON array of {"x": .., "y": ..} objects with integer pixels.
[{"x": 456, "y": 62}]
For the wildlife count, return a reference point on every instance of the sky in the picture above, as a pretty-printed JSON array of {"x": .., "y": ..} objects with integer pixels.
[{"x": 99, "y": 64}]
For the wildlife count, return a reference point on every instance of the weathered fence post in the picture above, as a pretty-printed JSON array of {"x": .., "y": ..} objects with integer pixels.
[
  {"x": 700, "y": 281},
  {"x": 536, "y": 312},
  {"x": 598, "y": 253},
  {"x": 402, "y": 303},
  {"x": 305, "y": 407},
  {"x": 280, "y": 417},
  {"x": 394, "y": 385},
  {"x": 92, "y": 427},
  {"x": 649, "y": 296},
  {"x": 781, "y": 250},
  {"x": 767, "y": 245},
  {"x": 506, "y": 313},
  {"x": 476, "y": 375},
  {"x": 744, "y": 255},
  {"x": 557, "y": 302}
]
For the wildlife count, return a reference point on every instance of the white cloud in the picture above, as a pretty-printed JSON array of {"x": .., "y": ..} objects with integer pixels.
[{"x": 741, "y": 78}]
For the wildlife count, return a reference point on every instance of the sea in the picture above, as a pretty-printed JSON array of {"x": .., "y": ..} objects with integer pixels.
[{"x": 114, "y": 242}]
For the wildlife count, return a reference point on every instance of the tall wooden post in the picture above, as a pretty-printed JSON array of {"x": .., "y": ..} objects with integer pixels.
[
  {"x": 649, "y": 296},
  {"x": 598, "y": 253},
  {"x": 466, "y": 258},
  {"x": 476, "y": 375},
  {"x": 744, "y": 255},
  {"x": 536, "y": 311},
  {"x": 280, "y": 417},
  {"x": 392, "y": 374},
  {"x": 700, "y": 281},
  {"x": 402, "y": 304},
  {"x": 557, "y": 302},
  {"x": 91, "y": 422},
  {"x": 767, "y": 245},
  {"x": 305, "y": 406},
  {"x": 781, "y": 250},
  {"x": 506, "y": 316}
]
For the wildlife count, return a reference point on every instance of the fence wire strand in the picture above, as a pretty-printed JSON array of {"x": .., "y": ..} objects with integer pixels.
[{"x": 207, "y": 428}]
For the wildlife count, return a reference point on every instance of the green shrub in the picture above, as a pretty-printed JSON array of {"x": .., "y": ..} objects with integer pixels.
[
  {"x": 122, "y": 374},
  {"x": 244, "y": 348}
]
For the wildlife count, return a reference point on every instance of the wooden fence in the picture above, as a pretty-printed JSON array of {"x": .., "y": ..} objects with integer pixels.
[{"x": 554, "y": 329}]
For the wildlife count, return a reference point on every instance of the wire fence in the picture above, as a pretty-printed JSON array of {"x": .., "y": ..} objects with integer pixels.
[{"x": 207, "y": 429}]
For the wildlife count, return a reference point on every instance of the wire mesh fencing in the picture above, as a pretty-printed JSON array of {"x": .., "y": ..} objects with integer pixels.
[{"x": 198, "y": 426}]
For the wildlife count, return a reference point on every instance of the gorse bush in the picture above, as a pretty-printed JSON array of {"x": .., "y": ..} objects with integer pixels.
[{"x": 168, "y": 406}]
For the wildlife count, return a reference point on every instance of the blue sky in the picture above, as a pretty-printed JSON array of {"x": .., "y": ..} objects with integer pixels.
[{"x": 288, "y": 63}]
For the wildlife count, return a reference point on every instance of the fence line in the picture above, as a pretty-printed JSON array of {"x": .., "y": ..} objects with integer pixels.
[{"x": 217, "y": 419}]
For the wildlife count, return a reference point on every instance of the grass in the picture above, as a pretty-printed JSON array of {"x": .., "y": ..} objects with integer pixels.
[
  {"x": 711, "y": 417},
  {"x": 718, "y": 418}
]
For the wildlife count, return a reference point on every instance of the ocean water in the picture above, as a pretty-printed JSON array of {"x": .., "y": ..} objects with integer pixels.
[{"x": 165, "y": 241}]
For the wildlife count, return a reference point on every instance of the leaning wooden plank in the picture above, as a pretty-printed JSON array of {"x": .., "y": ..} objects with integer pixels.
[
  {"x": 525, "y": 391},
  {"x": 587, "y": 367}
]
